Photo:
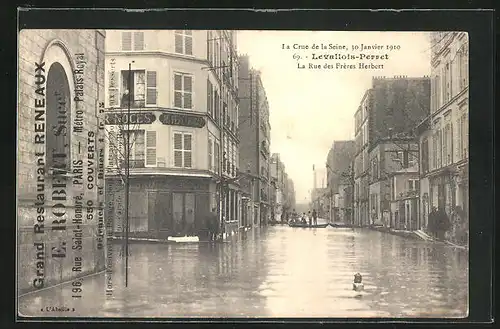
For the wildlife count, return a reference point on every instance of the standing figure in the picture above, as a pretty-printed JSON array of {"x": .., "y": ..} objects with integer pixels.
[
  {"x": 443, "y": 224},
  {"x": 315, "y": 217},
  {"x": 212, "y": 225},
  {"x": 309, "y": 217},
  {"x": 432, "y": 224}
]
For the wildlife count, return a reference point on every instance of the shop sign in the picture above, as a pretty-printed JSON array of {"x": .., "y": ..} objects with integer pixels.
[
  {"x": 186, "y": 120},
  {"x": 142, "y": 118}
]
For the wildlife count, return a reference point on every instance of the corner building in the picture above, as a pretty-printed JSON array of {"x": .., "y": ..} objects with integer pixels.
[
  {"x": 183, "y": 129},
  {"x": 60, "y": 149}
]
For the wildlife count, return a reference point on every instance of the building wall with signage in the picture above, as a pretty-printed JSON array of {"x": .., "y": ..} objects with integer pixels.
[{"x": 61, "y": 85}]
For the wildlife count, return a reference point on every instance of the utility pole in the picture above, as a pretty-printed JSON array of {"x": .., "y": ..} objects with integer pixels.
[{"x": 127, "y": 175}]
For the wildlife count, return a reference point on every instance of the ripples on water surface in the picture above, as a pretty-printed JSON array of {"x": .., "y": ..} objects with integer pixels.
[{"x": 277, "y": 272}]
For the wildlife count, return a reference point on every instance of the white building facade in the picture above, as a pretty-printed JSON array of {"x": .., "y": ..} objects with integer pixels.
[
  {"x": 182, "y": 88},
  {"x": 445, "y": 144}
]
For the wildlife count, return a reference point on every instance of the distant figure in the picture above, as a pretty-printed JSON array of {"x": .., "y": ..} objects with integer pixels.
[
  {"x": 212, "y": 225},
  {"x": 315, "y": 217},
  {"x": 443, "y": 224},
  {"x": 303, "y": 220},
  {"x": 432, "y": 224},
  {"x": 309, "y": 217}
]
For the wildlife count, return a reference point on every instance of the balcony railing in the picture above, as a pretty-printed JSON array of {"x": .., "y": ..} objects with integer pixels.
[
  {"x": 133, "y": 103},
  {"x": 133, "y": 163}
]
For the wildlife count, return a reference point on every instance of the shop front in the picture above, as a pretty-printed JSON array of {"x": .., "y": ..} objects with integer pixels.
[{"x": 161, "y": 206}]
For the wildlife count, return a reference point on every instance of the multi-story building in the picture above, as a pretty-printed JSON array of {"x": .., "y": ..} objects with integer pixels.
[
  {"x": 444, "y": 140},
  {"x": 173, "y": 93},
  {"x": 339, "y": 178},
  {"x": 390, "y": 111},
  {"x": 277, "y": 187},
  {"x": 290, "y": 202},
  {"x": 404, "y": 199},
  {"x": 254, "y": 132},
  {"x": 361, "y": 162},
  {"x": 60, "y": 149},
  {"x": 389, "y": 157}
]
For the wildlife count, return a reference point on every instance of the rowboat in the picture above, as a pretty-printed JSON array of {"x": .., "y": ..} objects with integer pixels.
[
  {"x": 307, "y": 225},
  {"x": 340, "y": 225}
]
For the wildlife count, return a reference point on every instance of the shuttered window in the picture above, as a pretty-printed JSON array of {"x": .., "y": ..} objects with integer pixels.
[
  {"x": 183, "y": 150},
  {"x": 151, "y": 148},
  {"x": 183, "y": 91},
  {"x": 132, "y": 40},
  {"x": 184, "y": 42},
  {"x": 151, "y": 92}
]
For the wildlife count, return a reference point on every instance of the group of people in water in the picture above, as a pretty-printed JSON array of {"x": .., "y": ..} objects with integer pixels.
[{"x": 310, "y": 218}]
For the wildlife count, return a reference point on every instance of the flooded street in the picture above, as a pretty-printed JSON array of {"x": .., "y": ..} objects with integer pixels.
[{"x": 275, "y": 272}]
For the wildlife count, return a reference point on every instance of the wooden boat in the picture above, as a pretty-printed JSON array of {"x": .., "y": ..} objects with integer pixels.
[
  {"x": 307, "y": 225},
  {"x": 340, "y": 225}
]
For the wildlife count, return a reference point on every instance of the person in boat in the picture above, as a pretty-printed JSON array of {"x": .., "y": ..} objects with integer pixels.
[
  {"x": 315, "y": 217},
  {"x": 303, "y": 220}
]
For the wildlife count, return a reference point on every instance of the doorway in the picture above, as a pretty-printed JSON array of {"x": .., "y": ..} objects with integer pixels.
[{"x": 183, "y": 214}]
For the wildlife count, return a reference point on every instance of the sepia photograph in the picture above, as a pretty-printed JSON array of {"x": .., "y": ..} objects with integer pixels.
[{"x": 242, "y": 174}]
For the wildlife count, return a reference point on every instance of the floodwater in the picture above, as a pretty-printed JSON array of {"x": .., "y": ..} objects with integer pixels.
[{"x": 277, "y": 271}]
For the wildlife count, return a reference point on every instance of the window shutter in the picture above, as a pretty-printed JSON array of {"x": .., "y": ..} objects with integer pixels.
[
  {"x": 187, "y": 149},
  {"x": 151, "y": 88},
  {"x": 188, "y": 91},
  {"x": 178, "y": 42},
  {"x": 178, "y": 90},
  {"x": 151, "y": 148},
  {"x": 177, "y": 149},
  {"x": 126, "y": 40},
  {"x": 138, "y": 40},
  {"x": 188, "y": 45}
]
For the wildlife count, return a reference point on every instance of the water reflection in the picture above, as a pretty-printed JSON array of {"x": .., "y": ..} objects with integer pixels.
[{"x": 277, "y": 272}]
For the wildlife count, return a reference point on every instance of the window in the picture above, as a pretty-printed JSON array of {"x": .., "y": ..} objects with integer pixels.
[
  {"x": 210, "y": 154},
  {"x": 140, "y": 87},
  {"x": 217, "y": 156},
  {"x": 151, "y": 148},
  {"x": 117, "y": 145},
  {"x": 210, "y": 98},
  {"x": 216, "y": 105},
  {"x": 136, "y": 39},
  {"x": 183, "y": 150},
  {"x": 413, "y": 184},
  {"x": 464, "y": 138},
  {"x": 425, "y": 155},
  {"x": 210, "y": 54},
  {"x": 184, "y": 42},
  {"x": 440, "y": 148},
  {"x": 463, "y": 62},
  {"x": 183, "y": 91}
]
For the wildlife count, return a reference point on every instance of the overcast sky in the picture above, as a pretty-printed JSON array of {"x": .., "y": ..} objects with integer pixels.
[{"x": 309, "y": 109}]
